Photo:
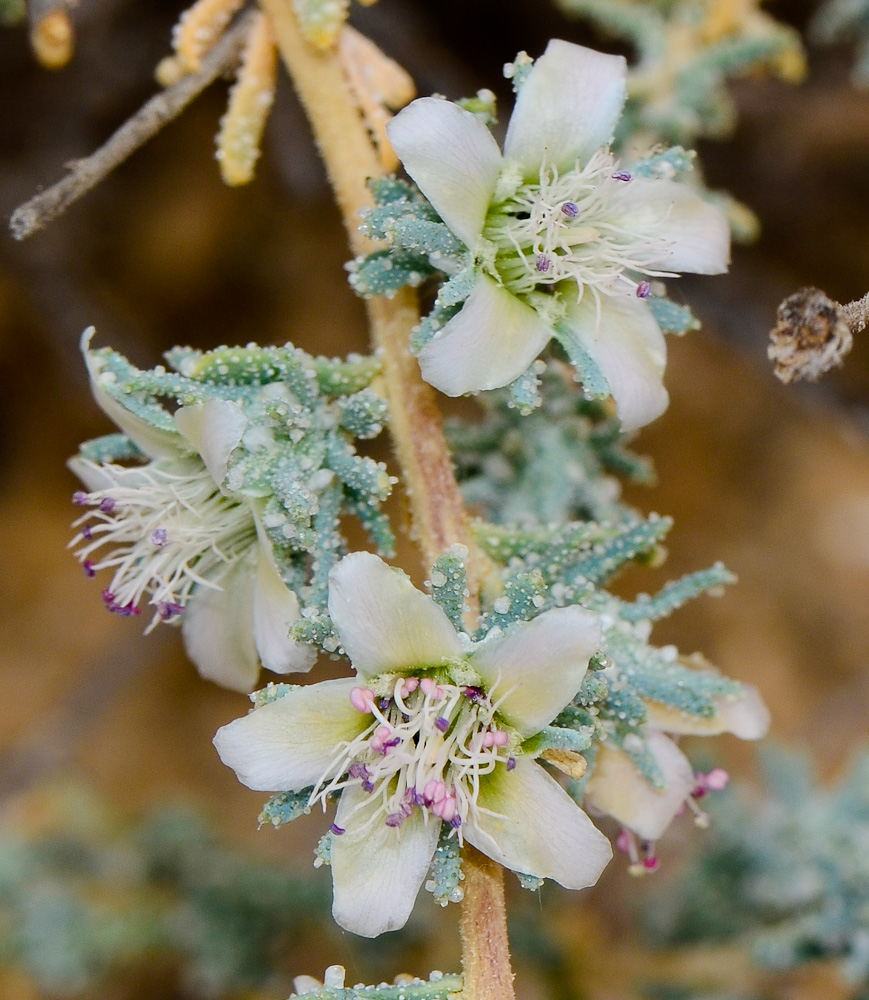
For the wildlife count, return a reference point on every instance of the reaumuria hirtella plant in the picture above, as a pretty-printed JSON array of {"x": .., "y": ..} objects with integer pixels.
[{"x": 514, "y": 712}]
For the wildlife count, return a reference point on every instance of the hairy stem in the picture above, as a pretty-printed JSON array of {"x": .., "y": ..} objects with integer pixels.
[
  {"x": 437, "y": 514},
  {"x": 485, "y": 951}
]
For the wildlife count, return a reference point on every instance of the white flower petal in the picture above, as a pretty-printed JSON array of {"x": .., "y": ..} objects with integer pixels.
[
  {"x": 626, "y": 343},
  {"x": 566, "y": 109},
  {"x": 215, "y": 428},
  {"x": 275, "y": 609},
  {"x": 217, "y": 633},
  {"x": 539, "y": 665},
  {"x": 453, "y": 158},
  {"x": 289, "y": 743},
  {"x": 153, "y": 441},
  {"x": 383, "y": 621},
  {"x": 616, "y": 787},
  {"x": 540, "y": 830},
  {"x": 377, "y": 870},
  {"x": 744, "y": 715},
  {"x": 490, "y": 342},
  {"x": 697, "y": 231}
]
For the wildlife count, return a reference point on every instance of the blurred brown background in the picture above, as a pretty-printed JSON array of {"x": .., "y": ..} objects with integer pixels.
[{"x": 774, "y": 481}]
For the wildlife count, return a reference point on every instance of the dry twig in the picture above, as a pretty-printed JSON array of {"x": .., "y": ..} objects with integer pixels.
[{"x": 135, "y": 132}]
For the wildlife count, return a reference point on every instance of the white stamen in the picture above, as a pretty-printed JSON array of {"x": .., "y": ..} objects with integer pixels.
[
  {"x": 427, "y": 749},
  {"x": 168, "y": 530},
  {"x": 581, "y": 243}
]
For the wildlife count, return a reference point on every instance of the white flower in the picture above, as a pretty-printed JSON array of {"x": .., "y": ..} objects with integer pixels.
[
  {"x": 616, "y": 786},
  {"x": 429, "y": 732},
  {"x": 171, "y": 534},
  {"x": 563, "y": 239}
]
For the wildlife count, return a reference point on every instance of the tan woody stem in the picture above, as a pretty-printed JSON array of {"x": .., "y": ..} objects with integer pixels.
[{"x": 438, "y": 516}]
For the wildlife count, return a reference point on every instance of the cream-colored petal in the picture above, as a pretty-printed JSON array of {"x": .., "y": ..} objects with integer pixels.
[
  {"x": 490, "y": 342},
  {"x": 537, "y": 667},
  {"x": 216, "y": 628},
  {"x": 383, "y": 621},
  {"x": 377, "y": 870},
  {"x": 616, "y": 787},
  {"x": 745, "y": 715},
  {"x": 287, "y": 745},
  {"x": 696, "y": 232},
  {"x": 214, "y": 428},
  {"x": 567, "y": 108},
  {"x": 275, "y": 609},
  {"x": 538, "y": 829},
  {"x": 453, "y": 158},
  {"x": 626, "y": 343}
]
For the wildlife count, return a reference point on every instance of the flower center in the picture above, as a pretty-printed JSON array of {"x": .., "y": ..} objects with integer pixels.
[
  {"x": 427, "y": 747},
  {"x": 572, "y": 227},
  {"x": 163, "y": 530}
]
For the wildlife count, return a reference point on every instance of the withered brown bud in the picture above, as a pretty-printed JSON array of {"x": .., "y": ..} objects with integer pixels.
[{"x": 810, "y": 337}]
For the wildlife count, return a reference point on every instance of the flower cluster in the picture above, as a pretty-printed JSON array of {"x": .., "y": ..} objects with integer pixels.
[
  {"x": 433, "y": 730},
  {"x": 563, "y": 239},
  {"x": 208, "y": 513}
]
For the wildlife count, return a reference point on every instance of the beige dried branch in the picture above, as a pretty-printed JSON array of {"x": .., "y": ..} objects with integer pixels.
[{"x": 135, "y": 132}]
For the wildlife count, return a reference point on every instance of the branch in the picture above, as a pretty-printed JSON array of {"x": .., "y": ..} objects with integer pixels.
[{"x": 146, "y": 123}]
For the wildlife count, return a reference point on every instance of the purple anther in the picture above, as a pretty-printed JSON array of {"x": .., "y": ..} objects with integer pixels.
[
  {"x": 159, "y": 537},
  {"x": 570, "y": 209},
  {"x": 473, "y": 693},
  {"x": 511, "y": 763},
  {"x": 391, "y": 743},
  {"x": 456, "y": 822},
  {"x": 358, "y": 770},
  {"x": 86, "y": 533},
  {"x": 167, "y": 610},
  {"x": 698, "y": 792},
  {"x": 651, "y": 864},
  {"x": 367, "y": 786},
  {"x": 107, "y": 505},
  {"x": 413, "y": 797},
  {"x": 644, "y": 290},
  {"x": 621, "y": 175},
  {"x": 123, "y": 610},
  {"x": 442, "y": 724},
  {"x": 88, "y": 568},
  {"x": 395, "y": 819},
  {"x": 80, "y": 498},
  {"x": 383, "y": 704},
  {"x": 716, "y": 780},
  {"x": 542, "y": 263},
  {"x": 337, "y": 830}
]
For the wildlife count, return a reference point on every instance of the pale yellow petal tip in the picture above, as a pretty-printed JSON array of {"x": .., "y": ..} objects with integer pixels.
[{"x": 53, "y": 39}]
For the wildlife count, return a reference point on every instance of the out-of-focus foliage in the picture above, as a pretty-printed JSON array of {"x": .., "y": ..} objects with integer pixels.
[
  {"x": 845, "y": 20},
  {"x": 786, "y": 872}
]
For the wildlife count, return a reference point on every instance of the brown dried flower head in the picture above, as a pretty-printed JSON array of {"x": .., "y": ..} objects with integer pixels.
[{"x": 810, "y": 337}]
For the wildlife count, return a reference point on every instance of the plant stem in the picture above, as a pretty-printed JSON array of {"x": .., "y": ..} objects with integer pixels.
[
  {"x": 145, "y": 123},
  {"x": 485, "y": 950},
  {"x": 437, "y": 514}
]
